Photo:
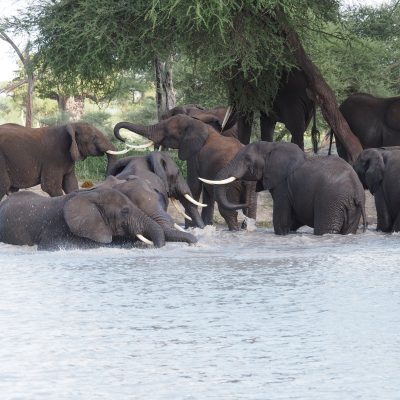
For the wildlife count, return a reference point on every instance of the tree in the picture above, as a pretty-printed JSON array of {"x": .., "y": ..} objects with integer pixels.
[
  {"x": 25, "y": 58},
  {"x": 87, "y": 42}
]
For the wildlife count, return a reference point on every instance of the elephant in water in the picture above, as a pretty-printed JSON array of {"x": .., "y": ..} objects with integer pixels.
[
  {"x": 46, "y": 156},
  {"x": 82, "y": 219},
  {"x": 379, "y": 170},
  {"x": 151, "y": 202},
  {"x": 163, "y": 176},
  {"x": 206, "y": 152},
  {"x": 321, "y": 192},
  {"x": 374, "y": 120}
]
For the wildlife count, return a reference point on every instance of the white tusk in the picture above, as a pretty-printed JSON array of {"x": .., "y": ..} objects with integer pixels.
[
  {"x": 144, "y": 240},
  {"x": 141, "y": 146},
  {"x": 227, "y": 115},
  {"x": 130, "y": 147},
  {"x": 118, "y": 152},
  {"x": 175, "y": 203},
  {"x": 176, "y": 226},
  {"x": 160, "y": 147},
  {"x": 223, "y": 182},
  {"x": 193, "y": 201}
]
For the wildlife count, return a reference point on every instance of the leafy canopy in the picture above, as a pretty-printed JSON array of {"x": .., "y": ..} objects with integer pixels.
[{"x": 90, "y": 42}]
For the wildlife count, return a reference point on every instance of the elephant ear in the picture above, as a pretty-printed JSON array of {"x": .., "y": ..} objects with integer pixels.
[
  {"x": 192, "y": 139},
  {"x": 393, "y": 115},
  {"x": 85, "y": 220},
  {"x": 374, "y": 167},
  {"x": 158, "y": 165},
  {"x": 74, "y": 150},
  {"x": 280, "y": 162}
]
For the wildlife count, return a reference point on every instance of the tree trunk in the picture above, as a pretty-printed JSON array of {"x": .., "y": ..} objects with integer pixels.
[
  {"x": 324, "y": 97},
  {"x": 29, "y": 101},
  {"x": 165, "y": 94}
]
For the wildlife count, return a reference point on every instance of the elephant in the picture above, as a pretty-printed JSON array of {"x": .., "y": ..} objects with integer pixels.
[
  {"x": 374, "y": 120},
  {"x": 292, "y": 106},
  {"x": 46, "y": 156},
  {"x": 164, "y": 178},
  {"x": 378, "y": 170},
  {"x": 140, "y": 192},
  {"x": 214, "y": 117},
  {"x": 206, "y": 152},
  {"x": 321, "y": 192},
  {"x": 81, "y": 219}
]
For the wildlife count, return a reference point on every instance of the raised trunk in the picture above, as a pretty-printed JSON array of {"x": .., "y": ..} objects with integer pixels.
[{"x": 148, "y": 131}]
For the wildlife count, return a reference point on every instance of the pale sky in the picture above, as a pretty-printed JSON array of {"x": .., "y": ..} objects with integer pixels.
[{"x": 9, "y": 59}]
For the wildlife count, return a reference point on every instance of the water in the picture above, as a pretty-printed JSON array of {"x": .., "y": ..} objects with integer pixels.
[{"x": 246, "y": 315}]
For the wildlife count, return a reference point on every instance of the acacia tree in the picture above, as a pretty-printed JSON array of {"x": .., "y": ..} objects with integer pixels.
[{"x": 255, "y": 40}]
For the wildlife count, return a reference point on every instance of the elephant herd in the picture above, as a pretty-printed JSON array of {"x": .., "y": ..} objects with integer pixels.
[{"x": 131, "y": 204}]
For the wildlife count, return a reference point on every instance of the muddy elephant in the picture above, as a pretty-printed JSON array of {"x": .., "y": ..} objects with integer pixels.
[
  {"x": 378, "y": 170},
  {"x": 292, "y": 106},
  {"x": 141, "y": 193},
  {"x": 47, "y": 156},
  {"x": 82, "y": 219},
  {"x": 205, "y": 152},
  {"x": 374, "y": 120},
  {"x": 321, "y": 192},
  {"x": 164, "y": 177}
]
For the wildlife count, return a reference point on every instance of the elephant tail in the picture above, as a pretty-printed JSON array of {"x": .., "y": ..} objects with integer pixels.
[{"x": 315, "y": 133}]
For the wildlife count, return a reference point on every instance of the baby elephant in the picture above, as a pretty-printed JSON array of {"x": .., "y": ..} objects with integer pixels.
[
  {"x": 77, "y": 220},
  {"x": 378, "y": 170},
  {"x": 321, "y": 192}
]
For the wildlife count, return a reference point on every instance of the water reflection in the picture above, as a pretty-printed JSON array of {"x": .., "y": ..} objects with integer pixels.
[{"x": 244, "y": 315}]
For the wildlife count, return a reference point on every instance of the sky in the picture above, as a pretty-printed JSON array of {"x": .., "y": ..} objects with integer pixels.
[{"x": 9, "y": 59}]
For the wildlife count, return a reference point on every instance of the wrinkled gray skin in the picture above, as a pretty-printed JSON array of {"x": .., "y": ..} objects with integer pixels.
[
  {"x": 379, "y": 170},
  {"x": 47, "y": 156},
  {"x": 163, "y": 176},
  {"x": 374, "y": 120},
  {"x": 213, "y": 117},
  {"x": 151, "y": 202},
  {"x": 321, "y": 192},
  {"x": 206, "y": 152},
  {"x": 82, "y": 219}
]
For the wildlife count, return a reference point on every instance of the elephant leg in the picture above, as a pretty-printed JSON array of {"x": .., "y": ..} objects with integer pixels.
[
  {"x": 384, "y": 223},
  {"x": 5, "y": 182},
  {"x": 230, "y": 218},
  {"x": 207, "y": 214},
  {"x": 51, "y": 183},
  {"x": 267, "y": 126},
  {"x": 341, "y": 150},
  {"x": 396, "y": 224},
  {"x": 297, "y": 129},
  {"x": 70, "y": 183},
  {"x": 282, "y": 215},
  {"x": 245, "y": 122}
]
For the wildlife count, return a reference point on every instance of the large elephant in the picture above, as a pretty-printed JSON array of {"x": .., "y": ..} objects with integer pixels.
[
  {"x": 321, "y": 192},
  {"x": 378, "y": 170},
  {"x": 164, "y": 177},
  {"x": 82, "y": 219},
  {"x": 206, "y": 152},
  {"x": 374, "y": 120},
  {"x": 140, "y": 192},
  {"x": 46, "y": 156},
  {"x": 292, "y": 106}
]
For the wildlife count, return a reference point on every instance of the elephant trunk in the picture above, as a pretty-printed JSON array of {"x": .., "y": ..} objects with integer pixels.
[
  {"x": 145, "y": 226},
  {"x": 111, "y": 160},
  {"x": 151, "y": 132},
  {"x": 180, "y": 191},
  {"x": 235, "y": 169}
]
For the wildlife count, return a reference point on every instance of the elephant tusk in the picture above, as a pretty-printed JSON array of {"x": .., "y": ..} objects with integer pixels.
[
  {"x": 176, "y": 205},
  {"x": 144, "y": 240},
  {"x": 222, "y": 182},
  {"x": 193, "y": 201},
  {"x": 141, "y": 146},
  {"x": 176, "y": 226},
  {"x": 227, "y": 115},
  {"x": 160, "y": 147}
]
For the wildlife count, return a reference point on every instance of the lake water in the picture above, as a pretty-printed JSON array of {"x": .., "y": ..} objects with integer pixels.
[{"x": 246, "y": 315}]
